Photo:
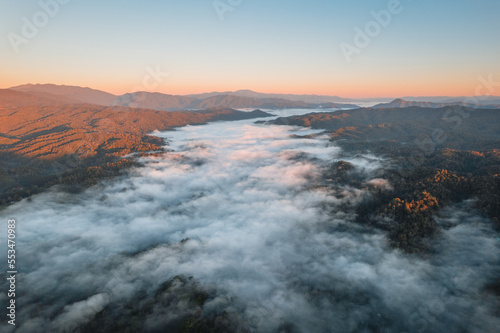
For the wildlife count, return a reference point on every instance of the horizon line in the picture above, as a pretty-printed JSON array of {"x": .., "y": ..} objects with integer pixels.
[{"x": 249, "y": 90}]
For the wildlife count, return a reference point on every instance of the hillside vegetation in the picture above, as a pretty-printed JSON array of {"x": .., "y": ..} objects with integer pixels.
[
  {"x": 435, "y": 158},
  {"x": 77, "y": 144}
]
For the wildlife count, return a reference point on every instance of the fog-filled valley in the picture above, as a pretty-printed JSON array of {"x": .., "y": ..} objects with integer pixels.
[
  {"x": 234, "y": 166},
  {"x": 239, "y": 227}
]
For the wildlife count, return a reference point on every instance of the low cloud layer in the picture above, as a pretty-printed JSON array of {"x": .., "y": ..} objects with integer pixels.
[{"x": 235, "y": 206}]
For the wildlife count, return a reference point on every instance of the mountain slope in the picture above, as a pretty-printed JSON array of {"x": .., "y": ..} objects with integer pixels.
[
  {"x": 155, "y": 101},
  {"x": 78, "y": 94},
  {"x": 12, "y": 98},
  {"x": 45, "y": 145},
  {"x": 89, "y": 131},
  {"x": 166, "y": 102}
]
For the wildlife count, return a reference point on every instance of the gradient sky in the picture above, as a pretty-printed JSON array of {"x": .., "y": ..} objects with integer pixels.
[{"x": 431, "y": 48}]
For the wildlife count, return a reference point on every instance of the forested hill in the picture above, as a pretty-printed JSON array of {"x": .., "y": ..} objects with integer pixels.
[
  {"x": 434, "y": 158},
  {"x": 43, "y": 143},
  {"x": 451, "y": 127}
]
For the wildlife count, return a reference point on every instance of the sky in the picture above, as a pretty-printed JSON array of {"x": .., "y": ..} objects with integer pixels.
[{"x": 422, "y": 48}]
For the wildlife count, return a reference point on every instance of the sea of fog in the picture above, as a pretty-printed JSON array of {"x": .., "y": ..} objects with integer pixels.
[{"x": 239, "y": 207}]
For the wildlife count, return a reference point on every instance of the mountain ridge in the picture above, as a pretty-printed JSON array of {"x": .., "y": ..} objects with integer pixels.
[
  {"x": 45, "y": 145},
  {"x": 79, "y": 94},
  {"x": 243, "y": 98},
  {"x": 401, "y": 103},
  {"x": 166, "y": 102}
]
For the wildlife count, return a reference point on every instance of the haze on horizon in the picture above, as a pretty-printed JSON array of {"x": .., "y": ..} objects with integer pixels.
[{"x": 423, "y": 49}]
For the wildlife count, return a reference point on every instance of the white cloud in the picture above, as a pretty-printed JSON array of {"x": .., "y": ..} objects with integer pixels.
[{"x": 258, "y": 232}]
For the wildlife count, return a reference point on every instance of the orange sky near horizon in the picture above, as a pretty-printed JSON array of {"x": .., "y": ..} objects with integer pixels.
[
  {"x": 286, "y": 47},
  {"x": 344, "y": 89},
  {"x": 331, "y": 77}
]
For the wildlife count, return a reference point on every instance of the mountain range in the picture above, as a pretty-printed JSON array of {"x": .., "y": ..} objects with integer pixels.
[
  {"x": 336, "y": 99},
  {"x": 240, "y": 99},
  {"x": 38, "y": 127},
  {"x": 400, "y": 103},
  {"x": 50, "y": 131},
  {"x": 408, "y": 127},
  {"x": 318, "y": 99},
  {"x": 166, "y": 102},
  {"x": 48, "y": 139},
  {"x": 174, "y": 103}
]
